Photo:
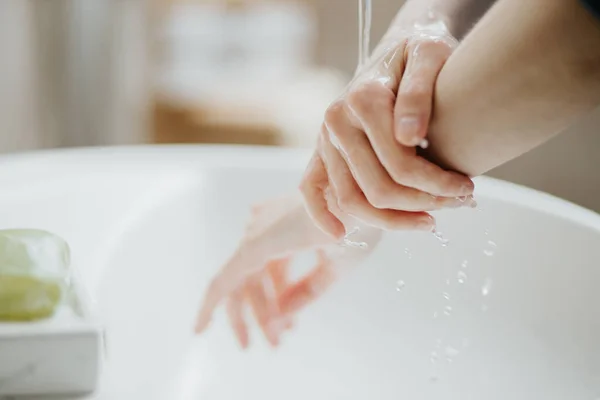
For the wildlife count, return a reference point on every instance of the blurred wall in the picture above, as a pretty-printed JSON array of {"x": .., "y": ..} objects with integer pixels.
[
  {"x": 77, "y": 72},
  {"x": 73, "y": 73},
  {"x": 17, "y": 123},
  {"x": 566, "y": 166}
]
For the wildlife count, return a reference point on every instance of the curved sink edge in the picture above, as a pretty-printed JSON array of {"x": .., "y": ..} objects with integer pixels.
[{"x": 228, "y": 156}]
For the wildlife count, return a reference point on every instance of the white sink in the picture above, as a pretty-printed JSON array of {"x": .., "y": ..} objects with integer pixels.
[{"x": 150, "y": 225}]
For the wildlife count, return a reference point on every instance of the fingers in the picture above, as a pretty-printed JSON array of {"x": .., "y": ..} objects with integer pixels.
[
  {"x": 214, "y": 295},
  {"x": 231, "y": 276},
  {"x": 351, "y": 200},
  {"x": 309, "y": 288},
  {"x": 313, "y": 186},
  {"x": 278, "y": 271},
  {"x": 373, "y": 179},
  {"x": 264, "y": 309},
  {"x": 373, "y": 106},
  {"x": 235, "y": 312},
  {"x": 414, "y": 102}
]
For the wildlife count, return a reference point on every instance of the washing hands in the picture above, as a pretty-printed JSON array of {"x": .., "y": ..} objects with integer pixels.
[
  {"x": 366, "y": 171},
  {"x": 367, "y": 152}
]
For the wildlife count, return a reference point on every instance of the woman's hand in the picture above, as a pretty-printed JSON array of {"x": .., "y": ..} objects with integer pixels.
[
  {"x": 366, "y": 154},
  {"x": 257, "y": 274}
]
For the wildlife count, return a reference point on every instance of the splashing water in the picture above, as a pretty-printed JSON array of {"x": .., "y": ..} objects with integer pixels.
[
  {"x": 434, "y": 357},
  {"x": 440, "y": 237},
  {"x": 400, "y": 285},
  {"x": 451, "y": 353},
  {"x": 461, "y": 277},
  {"x": 350, "y": 243},
  {"x": 490, "y": 250},
  {"x": 487, "y": 287}
]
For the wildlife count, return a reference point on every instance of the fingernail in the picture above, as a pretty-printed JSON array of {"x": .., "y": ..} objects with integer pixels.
[
  {"x": 426, "y": 223},
  {"x": 466, "y": 190},
  {"x": 408, "y": 130},
  {"x": 457, "y": 202}
]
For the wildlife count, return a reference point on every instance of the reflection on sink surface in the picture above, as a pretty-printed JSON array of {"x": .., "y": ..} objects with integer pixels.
[{"x": 149, "y": 226}]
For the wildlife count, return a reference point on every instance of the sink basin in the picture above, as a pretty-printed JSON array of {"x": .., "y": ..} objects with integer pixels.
[{"x": 508, "y": 309}]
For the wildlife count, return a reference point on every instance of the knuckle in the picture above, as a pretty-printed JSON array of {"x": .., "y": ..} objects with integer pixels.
[
  {"x": 434, "y": 43},
  {"x": 379, "y": 196},
  {"x": 306, "y": 183},
  {"x": 334, "y": 114},
  {"x": 400, "y": 175},
  {"x": 347, "y": 202},
  {"x": 369, "y": 96},
  {"x": 415, "y": 87}
]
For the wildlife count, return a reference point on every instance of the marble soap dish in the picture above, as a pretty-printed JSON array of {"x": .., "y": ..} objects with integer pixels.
[{"x": 61, "y": 355}]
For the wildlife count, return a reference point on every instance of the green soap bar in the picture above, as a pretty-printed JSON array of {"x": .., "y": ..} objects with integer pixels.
[
  {"x": 26, "y": 298},
  {"x": 34, "y": 274}
]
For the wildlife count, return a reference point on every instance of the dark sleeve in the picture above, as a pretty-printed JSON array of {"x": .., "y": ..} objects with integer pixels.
[{"x": 593, "y": 6}]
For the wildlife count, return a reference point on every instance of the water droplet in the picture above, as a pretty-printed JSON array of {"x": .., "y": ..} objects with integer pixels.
[
  {"x": 434, "y": 357},
  {"x": 446, "y": 295},
  {"x": 440, "y": 237},
  {"x": 461, "y": 277},
  {"x": 490, "y": 250},
  {"x": 464, "y": 264},
  {"x": 400, "y": 285},
  {"x": 451, "y": 352},
  {"x": 424, "y": 144},
  {"x": 350, "y": 243},
  {"x": 435, "y": 315},
  {"x": 486, "y": 232},
  {"x": 408, "y": 253},
  {"x": 487, "y": 287},
  {"x": 448, "y": 310}
]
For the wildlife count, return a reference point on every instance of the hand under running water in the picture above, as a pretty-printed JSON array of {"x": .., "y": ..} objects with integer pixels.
[
  {"x": 366, "y": 153},
  {"x": 366, "y": 171},
  {"x": 256, "y": 276}
]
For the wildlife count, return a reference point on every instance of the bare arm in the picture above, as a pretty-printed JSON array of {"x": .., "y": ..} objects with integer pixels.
[{"x": 526, "y": 72}]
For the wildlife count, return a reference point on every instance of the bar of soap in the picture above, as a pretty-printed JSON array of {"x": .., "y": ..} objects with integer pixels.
[
  {"x": 34, "y": 274},
  {"x": 27, "y": 298}
]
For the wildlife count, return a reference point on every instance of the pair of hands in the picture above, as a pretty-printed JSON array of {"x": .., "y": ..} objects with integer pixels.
[{"x": 365, "y": 172}]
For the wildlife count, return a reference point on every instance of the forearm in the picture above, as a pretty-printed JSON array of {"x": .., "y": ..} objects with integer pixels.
[{"x": 527, "y": 71}]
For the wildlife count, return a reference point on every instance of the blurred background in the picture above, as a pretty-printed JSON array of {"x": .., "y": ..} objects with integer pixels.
[{"x": 112, "y": 72}]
